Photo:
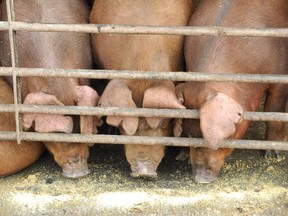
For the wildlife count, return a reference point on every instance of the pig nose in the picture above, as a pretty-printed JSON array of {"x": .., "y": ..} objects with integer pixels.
[
  {"x": 76, "y": 167},
  {"x": 204, "y": 176},
  {"x": 74, "y": 160},
  {"x": 144, "y": 169}
]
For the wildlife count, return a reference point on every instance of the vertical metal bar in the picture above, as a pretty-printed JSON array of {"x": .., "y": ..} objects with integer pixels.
[{"x": 14, "y": 62}]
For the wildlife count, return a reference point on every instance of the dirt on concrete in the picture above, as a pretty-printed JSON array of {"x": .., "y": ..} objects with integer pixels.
[{"x": 248, "y": 185}]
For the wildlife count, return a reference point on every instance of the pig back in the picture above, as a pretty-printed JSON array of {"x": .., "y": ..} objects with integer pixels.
[
  {"x": 49, "y": 49},
  {"x": 254, "y": 55},
  {"x": 238, "y": 54},
  {"x": 140, "y": 52}
]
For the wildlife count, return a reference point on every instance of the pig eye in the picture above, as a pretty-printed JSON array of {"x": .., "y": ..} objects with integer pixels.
[{"x": 181, "y": 100}]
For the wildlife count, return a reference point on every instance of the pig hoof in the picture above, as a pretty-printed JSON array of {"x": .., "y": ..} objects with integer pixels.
[
  {"x": 183, "y": 155},
  {"x": 76, "y": 168},
  {"x": 274, "y": 153}
]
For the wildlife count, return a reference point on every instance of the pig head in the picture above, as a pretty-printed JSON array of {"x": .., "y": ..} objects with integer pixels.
[
  {"x": 143, "y": 159},
  {"x": 72, "y": 157}
]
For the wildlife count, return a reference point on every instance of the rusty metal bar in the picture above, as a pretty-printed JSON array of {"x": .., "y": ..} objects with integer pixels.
[
  {"x": 143, "y": 112},
  {"x": 164, "y": 75},
  {"x": 4, "y": 26},
  {"x": 8, "y": 135},
  {"x": 154, "y": 30},
  {"x": 7, "y": 108},
  {"x": 14, "y": 62},
  {"x": 167, "y": 141},
  {"x": 179, "y": 76}
]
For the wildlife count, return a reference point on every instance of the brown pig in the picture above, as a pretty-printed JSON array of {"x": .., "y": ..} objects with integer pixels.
[
  {"x": 55, "y": 50},
  {"x": 144, "y": 53},
  {"x": 222, "y": 104},
  {"x": 14, "y": 157}
]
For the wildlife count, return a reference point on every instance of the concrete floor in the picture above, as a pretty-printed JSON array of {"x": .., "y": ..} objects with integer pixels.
[{"x": 248, "y": 185}]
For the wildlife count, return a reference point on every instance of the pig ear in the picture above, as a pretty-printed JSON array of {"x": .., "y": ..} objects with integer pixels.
[
  {"x": 218, "y": 117},
  {"x": 118, "y": 94},
  {"x": 177, "y": 128},
  {"x": 86, "y": 96},
  {"x": 161, "y": 95},
  {"x": 46, "y": 122},
  {"x": 179, "y": 93}
]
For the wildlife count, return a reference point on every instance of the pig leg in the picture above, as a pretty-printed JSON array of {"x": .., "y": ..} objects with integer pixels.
[
  {"x": 183, "y": 155},
  {"x": 144, "y": 159},
  {"x": 46, "y": 122},
  {"x": 177, "y": 131},
  {"x": 276, "y": 100},
  {"x": 86, "y": 96}
]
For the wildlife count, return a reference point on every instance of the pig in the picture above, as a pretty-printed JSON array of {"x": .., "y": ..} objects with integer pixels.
[
  {"x": 55, "y": 50},
  {"x": 143, "y": 53},
  {"x": 14, "y": 157},
  {"x": 222, "y": 104}
]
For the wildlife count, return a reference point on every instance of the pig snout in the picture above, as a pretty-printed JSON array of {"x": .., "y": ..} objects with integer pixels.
[
  {"x": 76, "y": 167},
  {"x": 143, "y": 169},
  {"x": 144, "y": 160},
  {"x": 71, "y": 157},
  {"x": 203, "y": 175},
  {"x": 207, "y": 163}
]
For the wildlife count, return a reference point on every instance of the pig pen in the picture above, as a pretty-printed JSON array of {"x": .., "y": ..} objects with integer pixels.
[{"x": 248, "y": 185}]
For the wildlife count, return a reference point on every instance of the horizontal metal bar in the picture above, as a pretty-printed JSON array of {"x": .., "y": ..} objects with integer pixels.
[
  {"x": 111, "y": 111},
  {"x": 143, "y": 140},
  {"x": 159, "y": 30},
  {"x": 154, "y": 75},
  {"x": 8, "y": 135},
  {"x": 7, "y": 108},
  {"x": 4, "y": 25},
  {"x": 144, "y": 112},
  {"x": 265, "y": 116}
]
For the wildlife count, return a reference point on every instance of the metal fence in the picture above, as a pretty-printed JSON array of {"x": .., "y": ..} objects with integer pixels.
[{"x": 18, "y": 72}]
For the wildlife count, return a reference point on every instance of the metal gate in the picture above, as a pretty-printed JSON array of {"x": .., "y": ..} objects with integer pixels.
[{"x": 17, "y": 72}]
